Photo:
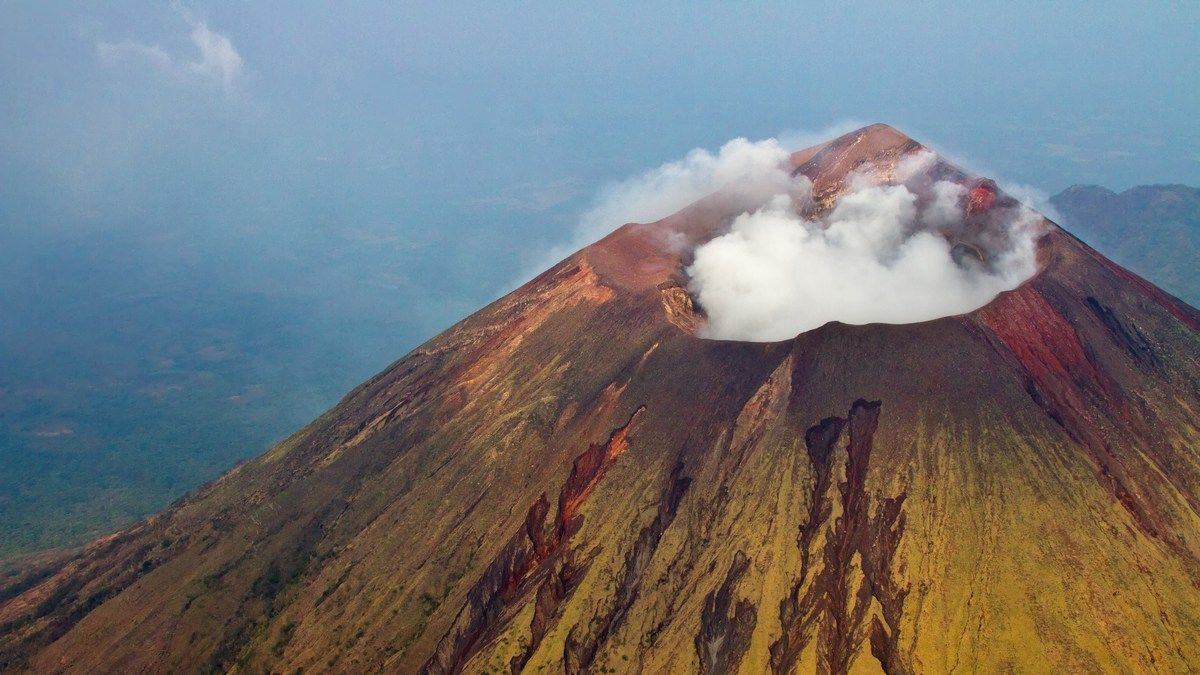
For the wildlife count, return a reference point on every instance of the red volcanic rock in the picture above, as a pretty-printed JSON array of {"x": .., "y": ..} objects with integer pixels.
[{"x": 981, "y": 198}]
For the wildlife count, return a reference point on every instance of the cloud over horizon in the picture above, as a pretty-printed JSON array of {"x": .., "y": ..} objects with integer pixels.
[{"x": 217, "y": 62}]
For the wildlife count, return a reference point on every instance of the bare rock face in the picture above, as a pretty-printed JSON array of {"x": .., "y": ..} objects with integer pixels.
[{"x": 570, "y": 480}]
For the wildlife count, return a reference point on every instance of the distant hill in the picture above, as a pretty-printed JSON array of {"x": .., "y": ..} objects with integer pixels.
[{"x": 1153, "y": 230}]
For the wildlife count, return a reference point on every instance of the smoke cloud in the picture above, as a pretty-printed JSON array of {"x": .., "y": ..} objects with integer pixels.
[
  {"x": 749, "y": 171},
  {"x": 753, "y": 170},
  {"x": 886, "y": 252}
]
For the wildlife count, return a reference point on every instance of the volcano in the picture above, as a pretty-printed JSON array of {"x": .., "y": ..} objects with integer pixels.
[{"x": 574, "y": 479}]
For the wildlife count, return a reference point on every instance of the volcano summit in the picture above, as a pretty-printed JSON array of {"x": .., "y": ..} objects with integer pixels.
[{"x": 586, "y": 476}]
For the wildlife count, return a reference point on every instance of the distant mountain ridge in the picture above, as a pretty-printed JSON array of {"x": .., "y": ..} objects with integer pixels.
[{"x": 1153, "y": 230}]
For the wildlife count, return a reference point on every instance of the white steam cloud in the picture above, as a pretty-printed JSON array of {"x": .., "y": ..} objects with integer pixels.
[
  {"x": 898, "y": 246},
  {"x": 876, "y": 257},
  {"x": 751, "y": 170},
  {"x": 755, "y": 170}
]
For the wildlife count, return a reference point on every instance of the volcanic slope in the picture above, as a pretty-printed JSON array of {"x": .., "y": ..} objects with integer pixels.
[{"x": 570, "y": 480}]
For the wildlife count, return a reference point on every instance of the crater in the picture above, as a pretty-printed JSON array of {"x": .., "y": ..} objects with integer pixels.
[{"x": 906, "y": 239}]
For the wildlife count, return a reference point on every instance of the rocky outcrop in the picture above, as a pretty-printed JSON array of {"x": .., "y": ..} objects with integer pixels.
[{"x": 846, "y": 593}]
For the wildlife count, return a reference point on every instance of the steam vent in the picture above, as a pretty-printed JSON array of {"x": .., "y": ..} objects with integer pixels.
[{"x": 578, "y": 478}]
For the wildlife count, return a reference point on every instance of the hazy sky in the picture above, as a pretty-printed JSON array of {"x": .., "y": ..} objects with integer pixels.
[{"x": 406, "y": 161}]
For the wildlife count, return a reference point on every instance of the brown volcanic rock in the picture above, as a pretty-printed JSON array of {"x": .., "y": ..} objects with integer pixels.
[{"x": 570, "y": 480}]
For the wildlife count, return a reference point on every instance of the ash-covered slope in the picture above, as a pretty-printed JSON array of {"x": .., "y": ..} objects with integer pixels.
[{"x": 572, "y": 480}]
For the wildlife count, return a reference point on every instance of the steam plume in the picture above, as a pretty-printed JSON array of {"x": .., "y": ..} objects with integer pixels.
[
  {"x": 886, "y": 252},
  {"x": 898, "y": 246}
]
